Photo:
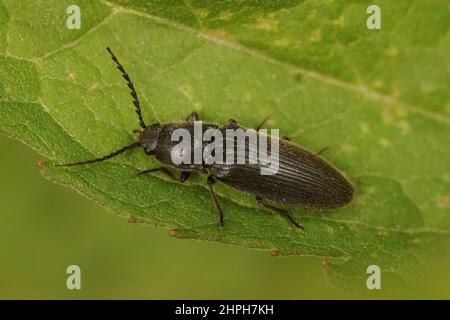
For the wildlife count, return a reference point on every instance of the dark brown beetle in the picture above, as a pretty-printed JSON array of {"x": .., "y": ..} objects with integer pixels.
[{"x": 303, "y": 178}]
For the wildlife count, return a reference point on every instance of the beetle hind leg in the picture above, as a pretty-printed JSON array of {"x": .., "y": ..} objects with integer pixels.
[
  {"x": 211, "y": 181},
  {"x": 279, "y": 210}
]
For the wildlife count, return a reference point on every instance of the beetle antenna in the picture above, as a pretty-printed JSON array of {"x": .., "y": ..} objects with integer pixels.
[
  {"x": 137, "y": 105},
  {"x": 109, "y": 156}
]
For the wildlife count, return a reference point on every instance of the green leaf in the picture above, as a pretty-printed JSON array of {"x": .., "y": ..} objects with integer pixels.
[{"x": 378, "y": 98}]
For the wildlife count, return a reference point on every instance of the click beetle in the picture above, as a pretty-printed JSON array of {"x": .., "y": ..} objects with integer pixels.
[{"x": 303, "y": 178}]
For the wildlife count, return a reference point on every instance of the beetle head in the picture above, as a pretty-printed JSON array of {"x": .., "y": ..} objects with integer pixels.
[{"x": 149, "y": 137}]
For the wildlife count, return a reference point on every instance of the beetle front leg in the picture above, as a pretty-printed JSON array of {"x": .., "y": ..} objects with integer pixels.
[
  {"x": 182, "y": 178},
  {"x": 211, "y": 181},
  {"x": 279, "y": 210}
]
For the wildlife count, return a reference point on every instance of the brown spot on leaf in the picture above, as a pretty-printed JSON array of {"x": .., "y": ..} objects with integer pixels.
[{"x": 444, "y": 202}]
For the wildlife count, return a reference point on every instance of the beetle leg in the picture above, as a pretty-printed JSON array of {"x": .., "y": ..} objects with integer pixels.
[
  {"x": 183, "y": 176},
  {"x": 279, "y": 210},
  {"x": 322, "y": 150},
  {"x": 211, "y": 181},
  {"x": 318, "y": 153},
  {"x": 262, "y": 123},
  {"x": 193, "y": 117}
]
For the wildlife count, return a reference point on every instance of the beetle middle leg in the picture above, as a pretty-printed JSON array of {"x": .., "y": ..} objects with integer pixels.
[
  {"x": 279, "y": 210},
  {"x": 182, "y": 178},
  {"x": 264, "y": 122},
  {"x": 211, "y": 181}
]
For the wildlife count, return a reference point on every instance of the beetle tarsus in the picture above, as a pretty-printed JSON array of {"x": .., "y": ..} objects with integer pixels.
[
  {"x": 211, "y": 181},
  {"x": 279, "y": 210}
]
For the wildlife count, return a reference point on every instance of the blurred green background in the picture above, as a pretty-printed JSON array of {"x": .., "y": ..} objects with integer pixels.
[{"x": 45, "y": 227}]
